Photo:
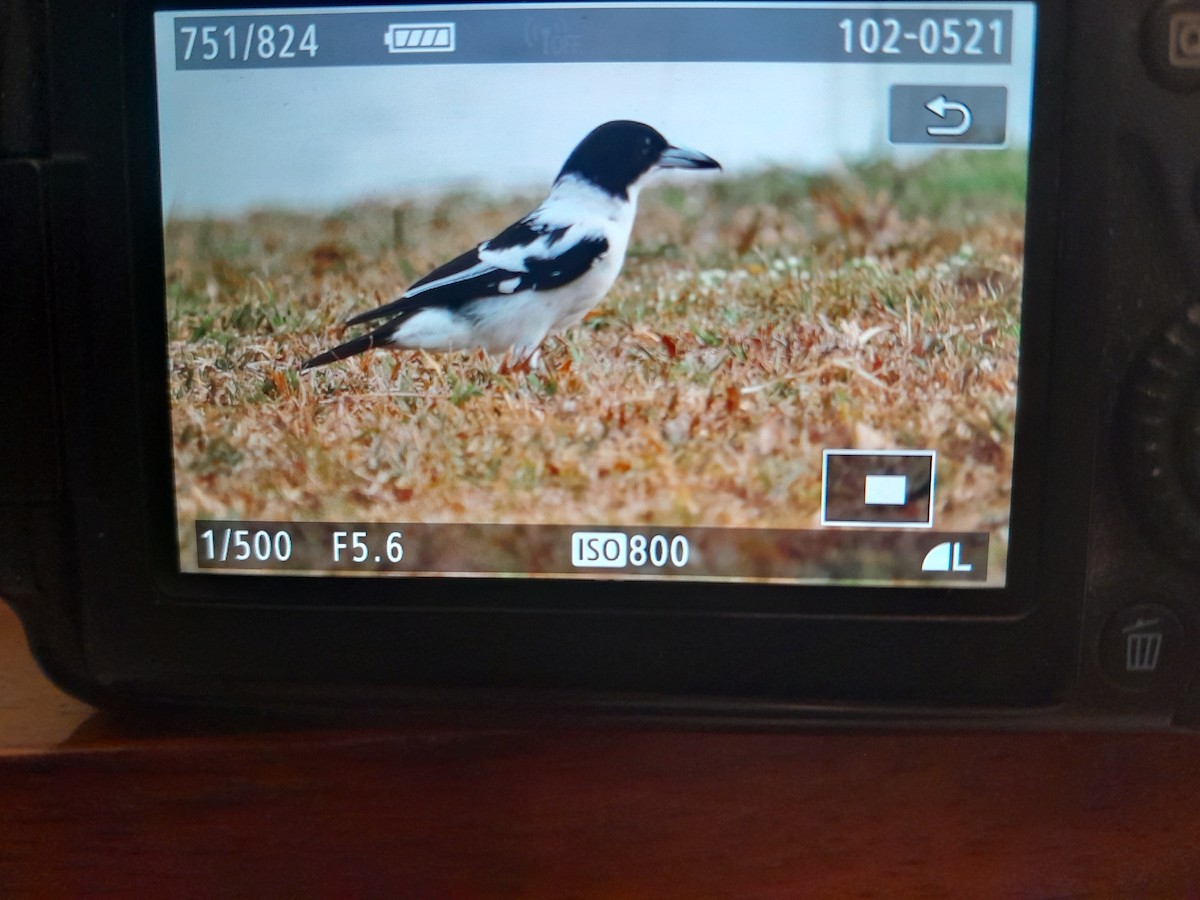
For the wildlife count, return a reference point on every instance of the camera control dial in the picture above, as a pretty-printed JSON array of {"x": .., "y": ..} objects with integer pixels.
[
  {"x": 1171, "y": 44},
  {"x": 1159, "y": 439}
]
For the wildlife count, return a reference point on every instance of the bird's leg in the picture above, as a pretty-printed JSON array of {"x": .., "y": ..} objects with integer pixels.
[
  {"x": 517, "y": 361},
  {"x": 520, "y": 366}
]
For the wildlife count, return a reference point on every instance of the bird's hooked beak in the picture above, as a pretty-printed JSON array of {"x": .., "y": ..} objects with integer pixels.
[{"x": 683, "y": 158}]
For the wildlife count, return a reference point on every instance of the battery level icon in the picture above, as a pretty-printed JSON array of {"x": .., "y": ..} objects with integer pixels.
[
  {"x": 1143, "y": 644},
  {"x": 427, "y": 37}
]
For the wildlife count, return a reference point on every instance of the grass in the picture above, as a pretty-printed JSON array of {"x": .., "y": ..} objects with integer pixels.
[{"x": 757, "y": 321}]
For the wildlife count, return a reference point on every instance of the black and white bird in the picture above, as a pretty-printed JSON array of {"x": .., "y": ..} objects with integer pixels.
[{"x": 543, "y": 273}]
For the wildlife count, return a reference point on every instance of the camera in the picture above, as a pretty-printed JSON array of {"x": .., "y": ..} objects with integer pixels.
[{"x": 746, "y": 362}]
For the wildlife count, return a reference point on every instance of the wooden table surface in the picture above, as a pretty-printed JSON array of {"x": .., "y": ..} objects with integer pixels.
[{"x": 92, "y": 805}]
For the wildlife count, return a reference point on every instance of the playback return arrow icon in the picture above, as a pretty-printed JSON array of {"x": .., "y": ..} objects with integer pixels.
[{"x": 941, "y": 107}]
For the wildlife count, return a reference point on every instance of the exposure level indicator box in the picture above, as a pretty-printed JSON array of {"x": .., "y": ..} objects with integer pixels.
[{"x": 878, "y": 488}]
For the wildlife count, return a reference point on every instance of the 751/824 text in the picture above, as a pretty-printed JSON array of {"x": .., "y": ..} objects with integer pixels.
[{"x": 257, "y": 41}]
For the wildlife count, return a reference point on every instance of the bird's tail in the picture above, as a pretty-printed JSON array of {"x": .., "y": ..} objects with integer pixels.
[{"x": 343, "y": 351}]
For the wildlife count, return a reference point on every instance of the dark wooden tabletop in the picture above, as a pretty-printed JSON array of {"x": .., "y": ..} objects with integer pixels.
[{"x": 91, "y": 804}]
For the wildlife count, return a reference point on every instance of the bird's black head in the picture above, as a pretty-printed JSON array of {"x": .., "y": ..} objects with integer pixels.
[{"x": 616, "y": 154}]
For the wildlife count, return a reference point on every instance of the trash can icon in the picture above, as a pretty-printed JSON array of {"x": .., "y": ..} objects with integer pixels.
[{"x": 1142, "y": 645}]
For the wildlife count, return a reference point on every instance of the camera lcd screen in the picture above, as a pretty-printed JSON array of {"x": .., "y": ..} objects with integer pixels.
[{"x": 709, "y": 291}]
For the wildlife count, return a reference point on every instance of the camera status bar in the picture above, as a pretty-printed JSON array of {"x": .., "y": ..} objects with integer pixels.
[
  {"x": 962, "y": 35},
  {"x": 818, "y": 555}
]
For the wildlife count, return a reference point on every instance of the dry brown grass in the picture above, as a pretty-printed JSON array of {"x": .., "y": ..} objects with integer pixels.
[{"x": 757, "y": 321}]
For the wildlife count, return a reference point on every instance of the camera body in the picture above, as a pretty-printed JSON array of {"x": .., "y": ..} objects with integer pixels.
[{"x": 1095, "y": 625}]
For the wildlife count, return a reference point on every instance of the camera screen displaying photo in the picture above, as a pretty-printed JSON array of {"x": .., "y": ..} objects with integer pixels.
[{"x": 708, "y": 291}]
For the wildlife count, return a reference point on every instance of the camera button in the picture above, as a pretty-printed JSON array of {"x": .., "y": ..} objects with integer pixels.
[
  {"x": 1142, "y": 647},
  {"x": 948, "y": 114},
  {"x": 1171, "y": 45}
]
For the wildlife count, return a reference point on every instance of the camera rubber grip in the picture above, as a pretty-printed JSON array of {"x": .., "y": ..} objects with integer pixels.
[
  {"x": 24, "y": 123},
  {"x": 29, "y": 470}
]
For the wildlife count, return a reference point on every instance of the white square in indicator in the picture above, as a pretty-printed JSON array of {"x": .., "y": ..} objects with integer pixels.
[{"x": 886, "y": 490}]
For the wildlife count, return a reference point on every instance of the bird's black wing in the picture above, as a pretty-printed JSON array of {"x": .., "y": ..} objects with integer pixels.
[
  {"x": 501, "y": 266},
  {"x": 544, "y": 273},
  {"x": 405, "y": 303},
  {"x": 527, "y": 233}
]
